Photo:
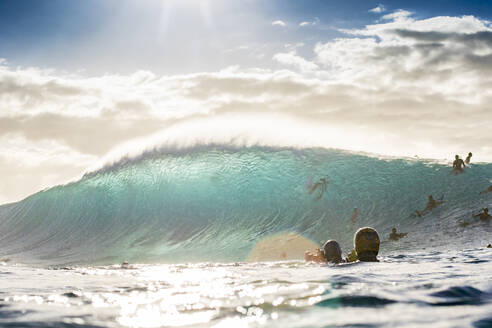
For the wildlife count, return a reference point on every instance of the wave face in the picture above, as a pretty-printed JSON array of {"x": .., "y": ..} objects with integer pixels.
[{"x": 214, "y": 203}]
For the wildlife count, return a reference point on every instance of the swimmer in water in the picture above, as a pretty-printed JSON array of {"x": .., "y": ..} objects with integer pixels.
[
  {"x": 395, "y": 236},
  {"x": 431, "y": 204},
  {"x": 355, "y": 214},
  {"x": 316, "y": 256},
  {"x": 484, "y": 216},
  {"x": 458, "y": 165},
  {"x": 329, "y": 252},
  {"x": 468, "y": 158},
  {"x": 366, "y": 244},
  {"x": 322, "y": 188},
  {"x": 351, "y": 257},
  {"x": 489, "y": 189}
]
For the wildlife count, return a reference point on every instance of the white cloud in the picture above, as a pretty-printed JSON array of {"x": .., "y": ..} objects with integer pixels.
[
  {"x": 377, "y": 10},
  {"x": 389, "y": 87},
  {"x": 309, "y": 23},
  {"x": 399, "y": 15},
  {"x": 291, "y": 59},
  {"x": 279, "y": 23}
]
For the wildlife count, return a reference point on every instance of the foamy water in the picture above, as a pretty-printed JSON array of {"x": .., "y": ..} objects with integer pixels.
[
  {"x": 215, "y": 236},
  {"x": 427, "y": 289}
]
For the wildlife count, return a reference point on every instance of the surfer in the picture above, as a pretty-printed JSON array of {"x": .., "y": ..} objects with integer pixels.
[
  {"x": 458, "y": 165},
  {"x": 316, "y": 256},
  {"x": 484, "y": 215},
  {"x": 330, "y": 252},
  {"x": 355, "y": 214},
  {"x": 468, "y": 158},
  {"x": 366, "y": 244},
  {"x": 395, "y": 236},
  {"x": 431, "y": 204},
  {"x": 489, "y": 189},
  {"x": 351, "y": 257},
  {"x": 322, "y": 188}
]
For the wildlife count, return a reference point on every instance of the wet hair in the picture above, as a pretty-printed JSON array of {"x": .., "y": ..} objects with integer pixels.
[
  {"x": 366, "y": 244},
  {"x": 332, "y": 251}
]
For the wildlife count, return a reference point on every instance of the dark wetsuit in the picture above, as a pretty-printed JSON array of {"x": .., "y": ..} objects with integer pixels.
[
  {"x": 458, "y": 165},
  {"x": 395, "y": 236},
  {"x": 431, "y": 204},
  {"x": 489, "y": 189},
  {"x": 484, "y": 216}
]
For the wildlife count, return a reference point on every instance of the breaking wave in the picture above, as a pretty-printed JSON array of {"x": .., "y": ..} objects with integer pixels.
[{"x": 216, "y": 202}]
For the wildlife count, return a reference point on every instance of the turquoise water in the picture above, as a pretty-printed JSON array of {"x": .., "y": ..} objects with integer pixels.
[
  {"x": 214, "y": 203},
  {"x": 187, "y": 220},
  {"x": 425, "y": 289}
]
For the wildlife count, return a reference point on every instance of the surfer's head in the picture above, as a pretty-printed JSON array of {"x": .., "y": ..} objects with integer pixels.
[
  {"x": 470, "y": 154},
  {"x": 332, "y": 251},
  {"x": 366, "y": 244},
  {"x": 456, "y": 156},
  {"x": 393, "y": 230}
]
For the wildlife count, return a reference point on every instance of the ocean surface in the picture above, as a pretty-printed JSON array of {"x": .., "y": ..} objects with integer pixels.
[{"x": 215, "y": 236}]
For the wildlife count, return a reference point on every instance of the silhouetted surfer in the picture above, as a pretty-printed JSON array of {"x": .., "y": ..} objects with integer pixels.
[
  {"x": 468, "y": 158},
  {"x": 484, "y": 216},
  {"x": 330, "y": 252},
  {"x": 458, "y": 165},
  {"x": 355, "y": 215},
  {"x": 431, "y": 204},
  {"x": 489, "y": 189},
  {"x": 395, "y": 236},
  {"x": 321, "y": 186},
  {"x": 366, "y": 244}
]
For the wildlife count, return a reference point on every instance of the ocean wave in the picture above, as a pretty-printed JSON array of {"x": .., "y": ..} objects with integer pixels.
[{"x": 216, "y": 203}]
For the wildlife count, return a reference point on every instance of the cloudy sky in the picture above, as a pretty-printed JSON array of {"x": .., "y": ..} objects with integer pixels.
[{"x": 82, "y": 80}]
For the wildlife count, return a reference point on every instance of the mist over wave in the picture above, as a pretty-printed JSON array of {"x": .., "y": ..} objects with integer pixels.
[{"x": 216, "y": 202}]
